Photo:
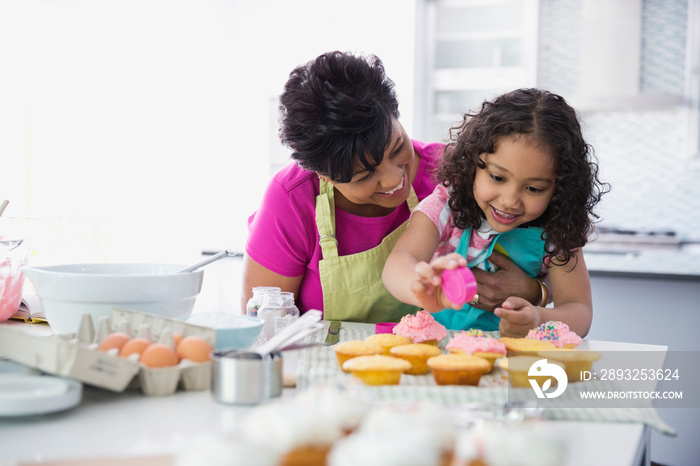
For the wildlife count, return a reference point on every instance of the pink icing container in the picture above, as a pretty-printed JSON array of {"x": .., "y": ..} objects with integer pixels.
[
  {"x": 459, "y": 285},
  {"x": 384, "y": 327}
]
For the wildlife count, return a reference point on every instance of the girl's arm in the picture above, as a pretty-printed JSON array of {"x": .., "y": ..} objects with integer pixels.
[
  {"x": 408, "y": 274},
  {"x": 573, "y": 303}
]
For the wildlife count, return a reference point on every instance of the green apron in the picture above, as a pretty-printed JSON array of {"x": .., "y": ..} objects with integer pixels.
[
  {"x": 352, "y": 285},
  {"x": 524, "y": 246}
]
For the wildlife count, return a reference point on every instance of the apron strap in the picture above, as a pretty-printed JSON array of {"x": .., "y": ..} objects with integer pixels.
[
  {"x": 325, "y": 217},
  {"x": 325, "y": 220}
]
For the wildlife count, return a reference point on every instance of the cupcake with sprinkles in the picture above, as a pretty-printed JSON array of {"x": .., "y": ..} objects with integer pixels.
[
  {"x": 477, "y": 343},
  {"x": 558, "y": 333},
  {"x": 421, "y": 328}
]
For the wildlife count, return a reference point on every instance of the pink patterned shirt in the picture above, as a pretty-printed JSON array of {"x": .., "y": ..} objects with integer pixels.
[{"x": 437, "y": 209}]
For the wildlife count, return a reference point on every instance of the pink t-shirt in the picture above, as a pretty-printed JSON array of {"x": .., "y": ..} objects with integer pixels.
[{"x": 283, "y": 237}]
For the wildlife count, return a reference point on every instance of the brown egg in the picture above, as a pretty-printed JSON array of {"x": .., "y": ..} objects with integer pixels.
[
  {"x": 177, "y": 338},
  {"x": 194, "y": 348},
  {"x": 114, "y": 340},
  {"x": 135, "y": 345},
  {"x": 159, "y": 355}
]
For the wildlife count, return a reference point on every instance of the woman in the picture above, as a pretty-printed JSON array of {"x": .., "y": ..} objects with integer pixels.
[{"x": 329, "y": 220}]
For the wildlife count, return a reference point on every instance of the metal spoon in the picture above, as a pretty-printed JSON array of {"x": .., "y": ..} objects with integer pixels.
[
  {"x": 290, "y": 344},
  {"x": 308, "y": 319},
  {"x": 11, "y": 244},
  {"x": 209, "y": 260}
]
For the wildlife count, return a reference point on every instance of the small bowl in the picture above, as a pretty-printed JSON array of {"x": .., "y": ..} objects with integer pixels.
[
  {"x": 68, "y": 291},
  {"x": 232, "y": 330}
]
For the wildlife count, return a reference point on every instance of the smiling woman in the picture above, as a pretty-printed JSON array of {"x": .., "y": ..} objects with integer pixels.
[{"x": 356, "y": 170}]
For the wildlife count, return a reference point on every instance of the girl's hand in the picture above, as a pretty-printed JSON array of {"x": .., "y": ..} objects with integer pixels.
[
  {"x": 517, "y": 317},
  {"x": 427, "y": 284}
]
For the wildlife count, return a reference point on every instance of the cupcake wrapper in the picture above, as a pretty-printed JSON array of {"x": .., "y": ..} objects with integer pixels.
[
  {"x": 306, "y": 456},
  {"x": 443, "y": 377},
  {"x": 419, "y": 364}
]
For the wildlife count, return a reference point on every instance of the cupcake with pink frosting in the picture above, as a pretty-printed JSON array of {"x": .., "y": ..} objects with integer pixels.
[
  {"x": 558, "y": 333},
  {"x": 421, "y": 328},
  {"x": 477, "y": 343}
]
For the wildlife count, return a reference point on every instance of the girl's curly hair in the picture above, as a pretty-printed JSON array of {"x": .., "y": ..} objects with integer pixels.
[{"x": 545, "y": 119}]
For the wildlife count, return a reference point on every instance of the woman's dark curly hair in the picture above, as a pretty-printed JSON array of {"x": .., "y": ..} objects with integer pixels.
[
  {"x": 337, "y": 110},
  {"x": 547, "y": 120}
]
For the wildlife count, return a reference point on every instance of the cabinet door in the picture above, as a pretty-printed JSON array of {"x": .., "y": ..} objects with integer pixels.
[{"x": 475, "y": 50}]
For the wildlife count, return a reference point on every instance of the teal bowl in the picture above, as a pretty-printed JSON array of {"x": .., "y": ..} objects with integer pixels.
[{"x": 232, "y": 330}]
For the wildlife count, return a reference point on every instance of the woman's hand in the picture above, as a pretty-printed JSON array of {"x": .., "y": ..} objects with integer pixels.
[
  {"x": 427, "y": 283},
  {"x": 509, "y": 280},
  {"x": 517, "y": 317}
]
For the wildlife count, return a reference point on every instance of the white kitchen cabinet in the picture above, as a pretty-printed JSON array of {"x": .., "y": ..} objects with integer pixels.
[{"x": 474, "y": 50}]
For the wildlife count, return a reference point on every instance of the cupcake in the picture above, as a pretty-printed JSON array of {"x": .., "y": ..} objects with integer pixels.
[
  {"x": 354, "y": 348},
  {"x": 417, "y": 354},
  {"x": 421, "y": 328},
  {"x": 518, "y": 368},
  {"x": 294, "y": 429},
  {"x": 512, "y": 443},
  {"x": 458, "y": 369},
  {"x": 377, "y": 369},
  {"x": 526, "y": 344},
  {"x": 388, "y": 341},
  {"x": 344, "y": 405},
  {"x": 574, "y": 361},
  {"x": 556, "y": 332},
  {"x": 483, "y": 346},
  {"x": 416, "y": 434}
]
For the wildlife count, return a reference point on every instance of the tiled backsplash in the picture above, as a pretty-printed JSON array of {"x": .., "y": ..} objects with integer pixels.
[{"x": 643, "y": 153}]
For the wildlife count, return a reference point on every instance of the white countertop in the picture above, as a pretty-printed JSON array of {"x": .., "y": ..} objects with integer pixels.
[
  {"x": 108, "y": 425},
  {"x": 126, "y": 426}
]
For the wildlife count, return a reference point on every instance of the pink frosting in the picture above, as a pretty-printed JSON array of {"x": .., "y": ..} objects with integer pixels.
[
  {"x": 420, "y": 327},
  {"x": 556, "y": 332},
  {"x": 476, "y": 344}
]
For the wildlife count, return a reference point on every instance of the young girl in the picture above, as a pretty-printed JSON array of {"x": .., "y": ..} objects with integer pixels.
[{"x": 519, "y": 178}]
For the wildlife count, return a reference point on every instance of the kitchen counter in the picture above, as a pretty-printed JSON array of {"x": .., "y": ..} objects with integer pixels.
[
  {"x": 108, "y": 428},
  {"x": 130, "y": 426}
]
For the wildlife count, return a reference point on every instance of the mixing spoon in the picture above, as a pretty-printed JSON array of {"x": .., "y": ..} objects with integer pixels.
[{"x": 209, "y": 260}]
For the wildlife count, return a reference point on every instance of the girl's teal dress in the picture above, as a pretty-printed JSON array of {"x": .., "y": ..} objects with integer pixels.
[{"x": 524, "y": 246}]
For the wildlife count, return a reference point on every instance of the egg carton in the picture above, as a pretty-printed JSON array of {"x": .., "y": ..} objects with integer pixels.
[{"x": 76, "y": 355}]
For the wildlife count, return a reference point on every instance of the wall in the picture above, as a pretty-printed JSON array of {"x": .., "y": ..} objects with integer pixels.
[
  {"x": 642, "y": 151},
  {"x": 140, "y": 130}
]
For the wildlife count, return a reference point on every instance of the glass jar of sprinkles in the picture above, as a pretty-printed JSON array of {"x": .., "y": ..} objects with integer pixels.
[{"x": 256, "y": 301}]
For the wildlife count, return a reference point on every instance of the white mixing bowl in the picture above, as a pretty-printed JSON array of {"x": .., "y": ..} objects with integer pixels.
[{"x": 68, "y": 291}]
